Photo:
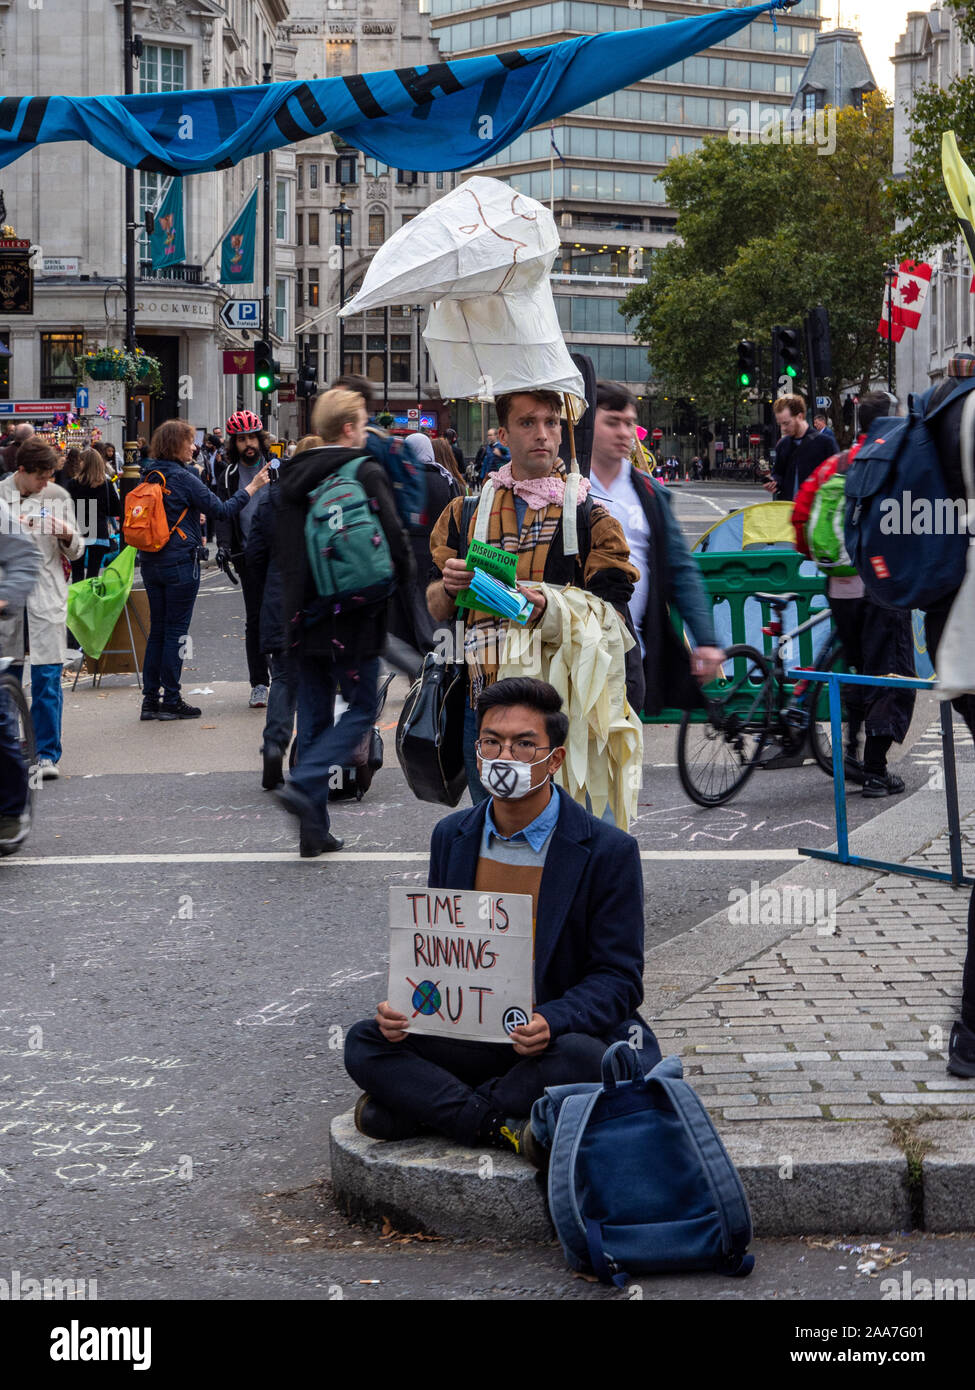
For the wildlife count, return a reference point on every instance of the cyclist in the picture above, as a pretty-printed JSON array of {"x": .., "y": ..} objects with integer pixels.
[{"x": 20, "y": 564}]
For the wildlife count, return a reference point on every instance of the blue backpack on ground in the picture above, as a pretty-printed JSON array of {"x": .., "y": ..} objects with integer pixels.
[
  {"x": 405, "y": 474},
  {"x": 639, "y": 1181},
  {"x": 901, "y": 526}
]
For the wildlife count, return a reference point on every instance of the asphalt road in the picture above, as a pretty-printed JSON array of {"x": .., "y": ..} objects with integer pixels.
[{"x": 170, "y": 1032}]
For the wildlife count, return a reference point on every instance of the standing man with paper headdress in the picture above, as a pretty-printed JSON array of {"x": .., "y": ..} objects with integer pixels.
[{"x": 526, "y": 517}]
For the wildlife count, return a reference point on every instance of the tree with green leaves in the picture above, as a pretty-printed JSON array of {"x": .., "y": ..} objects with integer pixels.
[
  {"x": 766, "y": 232},
  {"x": 919, "y": 196}
]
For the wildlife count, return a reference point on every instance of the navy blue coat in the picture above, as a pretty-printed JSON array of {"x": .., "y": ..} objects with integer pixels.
[
  {"x": 264, "y": 570},
  {"x": 186, "y": 489},
  {"x": 589, "y": 929}
]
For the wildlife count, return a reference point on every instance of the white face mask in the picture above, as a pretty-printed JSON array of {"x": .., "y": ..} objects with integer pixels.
[{"x": 508, "y": 779}]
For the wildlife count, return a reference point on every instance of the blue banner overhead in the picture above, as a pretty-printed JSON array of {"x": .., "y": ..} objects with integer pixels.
[{"x": 446, "y": 116}]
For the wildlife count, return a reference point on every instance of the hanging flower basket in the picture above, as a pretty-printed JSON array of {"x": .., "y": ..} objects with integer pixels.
[{"x": 114, "y": 364}]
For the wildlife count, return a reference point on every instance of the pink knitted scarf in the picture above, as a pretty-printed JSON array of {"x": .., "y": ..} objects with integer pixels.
[{"x": 539, "y": 492}]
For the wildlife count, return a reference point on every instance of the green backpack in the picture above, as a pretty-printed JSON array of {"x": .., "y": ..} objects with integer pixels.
[
  {"x": 347, "y": 548},
  {"x": 824, "y": 529}
]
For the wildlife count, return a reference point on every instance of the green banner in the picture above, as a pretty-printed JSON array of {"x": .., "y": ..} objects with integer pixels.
[
  {"x": 167, "y": 243},
  {"x": 237, "y": 248}
]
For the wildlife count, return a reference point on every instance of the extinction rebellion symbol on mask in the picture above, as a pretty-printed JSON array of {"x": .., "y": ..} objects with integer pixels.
[{"x": 504, "y": 779}]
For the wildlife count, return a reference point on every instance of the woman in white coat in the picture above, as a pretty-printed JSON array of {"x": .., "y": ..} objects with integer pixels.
[{"x": 47, "y": 515}]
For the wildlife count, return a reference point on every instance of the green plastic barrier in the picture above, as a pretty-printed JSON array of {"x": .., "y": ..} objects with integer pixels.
[{"x": 732, "y": 578}]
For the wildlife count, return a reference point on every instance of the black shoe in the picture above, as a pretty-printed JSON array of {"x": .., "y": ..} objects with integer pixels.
[
  {"x": 13, "y": 832},
  {"x": 375, "y": 1121},
  {"x": 311, "y": 844},
  {"x": 961, "y": 1051},
  {"x": 313, "y": 839},
  {"x": 181, "y": 710},
  {"x": 273, "y": 775},
  {"x": 150, "y": 708},
  {"x": 887, "y": 785},
  {"x": 854, "y": 769},
  {"x": 516, "y": 1137}
]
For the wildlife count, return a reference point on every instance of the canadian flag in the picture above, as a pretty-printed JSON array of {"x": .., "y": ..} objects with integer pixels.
[
  {"x": 910, "y": 291},
  {"x": 906, "y": 299}
]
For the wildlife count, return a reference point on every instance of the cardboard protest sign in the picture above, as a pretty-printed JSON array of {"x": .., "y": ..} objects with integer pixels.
[{"x": 461, "y": 963}]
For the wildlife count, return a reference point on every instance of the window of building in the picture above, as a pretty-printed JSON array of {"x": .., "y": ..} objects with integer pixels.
[
  {"x": 346, "y": 169},
  {"x": 281, "y": 210},
  {"x": 352, "y": 354},
  {"x": 400, "y": 357},
  {"x": 406, "y": 176},
  {"x": 440, "y": 180},
  {"x": 377, "y": 228},
  {"x": 301, "y": 177},
  {"x": 300, "y": 229},
  {"x": 162, "y": 69},
  {"x": 407, "y": 217},
  {"x": 281, "y": 308},
  {"x": 313, "y": 229},
  {"x": 374, "y": 169},
  {"x": 5, "y": 368},
  {"x": 300, "y": 289},
  {"x": 312, "y": 288},
  {"x": 59, "y": 375},
  {"x": 313, "y": 176}
]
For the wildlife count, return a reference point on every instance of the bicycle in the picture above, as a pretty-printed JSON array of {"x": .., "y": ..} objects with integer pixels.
[
  {"x": 753, "y": 706},
  {"x": 15, "y": 712}
]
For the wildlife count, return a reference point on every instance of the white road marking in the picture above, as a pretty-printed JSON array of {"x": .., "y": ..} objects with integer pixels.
[
  {"x": 351, "y": 857},
  {"x": 722, "y": 510}
]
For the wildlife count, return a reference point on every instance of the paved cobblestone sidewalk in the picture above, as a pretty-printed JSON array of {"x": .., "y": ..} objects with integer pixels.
[{"x": 851, "y": 1025}]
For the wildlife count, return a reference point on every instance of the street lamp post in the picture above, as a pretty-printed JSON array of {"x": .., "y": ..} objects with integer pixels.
[
  {"x": 890, "y": 277},
  {"x": 266, "y": 249},
  {"x": 132, "y": 49},
  {"x": 418, "y": 407},
  {"x": 343, "y": 224}
]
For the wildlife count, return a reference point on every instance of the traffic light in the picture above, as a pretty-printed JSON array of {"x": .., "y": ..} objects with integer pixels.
[
  {"x": 307, "y": 380},
  {"x": 822, "y": 355},
  {"x": 265, "y": 368},
  {"x": 786, "y": 358},
  {"x": 747, "y": 364}
]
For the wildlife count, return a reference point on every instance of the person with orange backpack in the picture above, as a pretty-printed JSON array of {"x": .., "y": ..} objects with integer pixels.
[{"x": 162, "y": 519}]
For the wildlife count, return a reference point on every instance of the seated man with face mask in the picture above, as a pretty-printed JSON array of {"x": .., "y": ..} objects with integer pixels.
[{"x": 586, "y": 885}]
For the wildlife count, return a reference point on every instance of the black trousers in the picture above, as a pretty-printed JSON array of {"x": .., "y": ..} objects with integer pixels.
[
  {"x": 453, "y": 1086},
  {"x": 257, "y": 670},
  {"x": 876, "y": 642},
  {"x": 934, "y": 626}
]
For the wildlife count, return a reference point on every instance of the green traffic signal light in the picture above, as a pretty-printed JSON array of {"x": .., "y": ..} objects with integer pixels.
[
  {"x": 263, "y": 381},
  {"x": 791, "y": 371},
  {"x": 744, "y": 379}
]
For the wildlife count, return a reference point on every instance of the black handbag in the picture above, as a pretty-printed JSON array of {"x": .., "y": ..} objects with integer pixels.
[{"x": 430, "y": 732}]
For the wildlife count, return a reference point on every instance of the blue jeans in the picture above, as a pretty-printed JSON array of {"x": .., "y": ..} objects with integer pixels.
[
  {"x": 455, "y": 1086},
  {"x": 281, "y": 701},
  {"x": 171, "y": 588},
  {"x": 46, "y": 703},
  {"x": 13, "y": 771},
  {"x": 474, "y": 784},
  {"x": 325, "y": 747}
]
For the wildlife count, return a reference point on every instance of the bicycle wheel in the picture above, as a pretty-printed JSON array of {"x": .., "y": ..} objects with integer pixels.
[
  {"x": 15, "y": 711},
  {"x": 715, "y": 758},
  {"x": 820, "y": 728}
]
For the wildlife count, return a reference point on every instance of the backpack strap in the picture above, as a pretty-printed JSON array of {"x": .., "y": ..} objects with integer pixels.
[
  {"x": 968, "y": 444},
  {"x": 722, "y": 1176},
  {"x": 575, "y": 1113},
  {"x": 466, "y": 513}
]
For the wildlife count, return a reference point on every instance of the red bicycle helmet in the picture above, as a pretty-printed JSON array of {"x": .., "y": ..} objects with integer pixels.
[{"x": 244, "y": 422}]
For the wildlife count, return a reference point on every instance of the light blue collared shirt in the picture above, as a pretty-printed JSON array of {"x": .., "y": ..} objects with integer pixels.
[{"x": 534, "y": 834}]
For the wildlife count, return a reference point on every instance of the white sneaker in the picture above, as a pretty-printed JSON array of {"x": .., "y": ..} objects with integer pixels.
[
  {"x": 48, "y": 769},
  {"x": 258, "y": 699}
]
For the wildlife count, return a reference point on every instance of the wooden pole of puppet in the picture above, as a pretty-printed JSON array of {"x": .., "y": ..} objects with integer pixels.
[{"x": 574, "y": 463}]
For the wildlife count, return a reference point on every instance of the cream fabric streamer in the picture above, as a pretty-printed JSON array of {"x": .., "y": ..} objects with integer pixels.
[{"x": 579, "y": 647}]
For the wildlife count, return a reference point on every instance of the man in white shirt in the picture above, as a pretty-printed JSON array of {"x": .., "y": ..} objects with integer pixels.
[{"x": 668, "y": 571}]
